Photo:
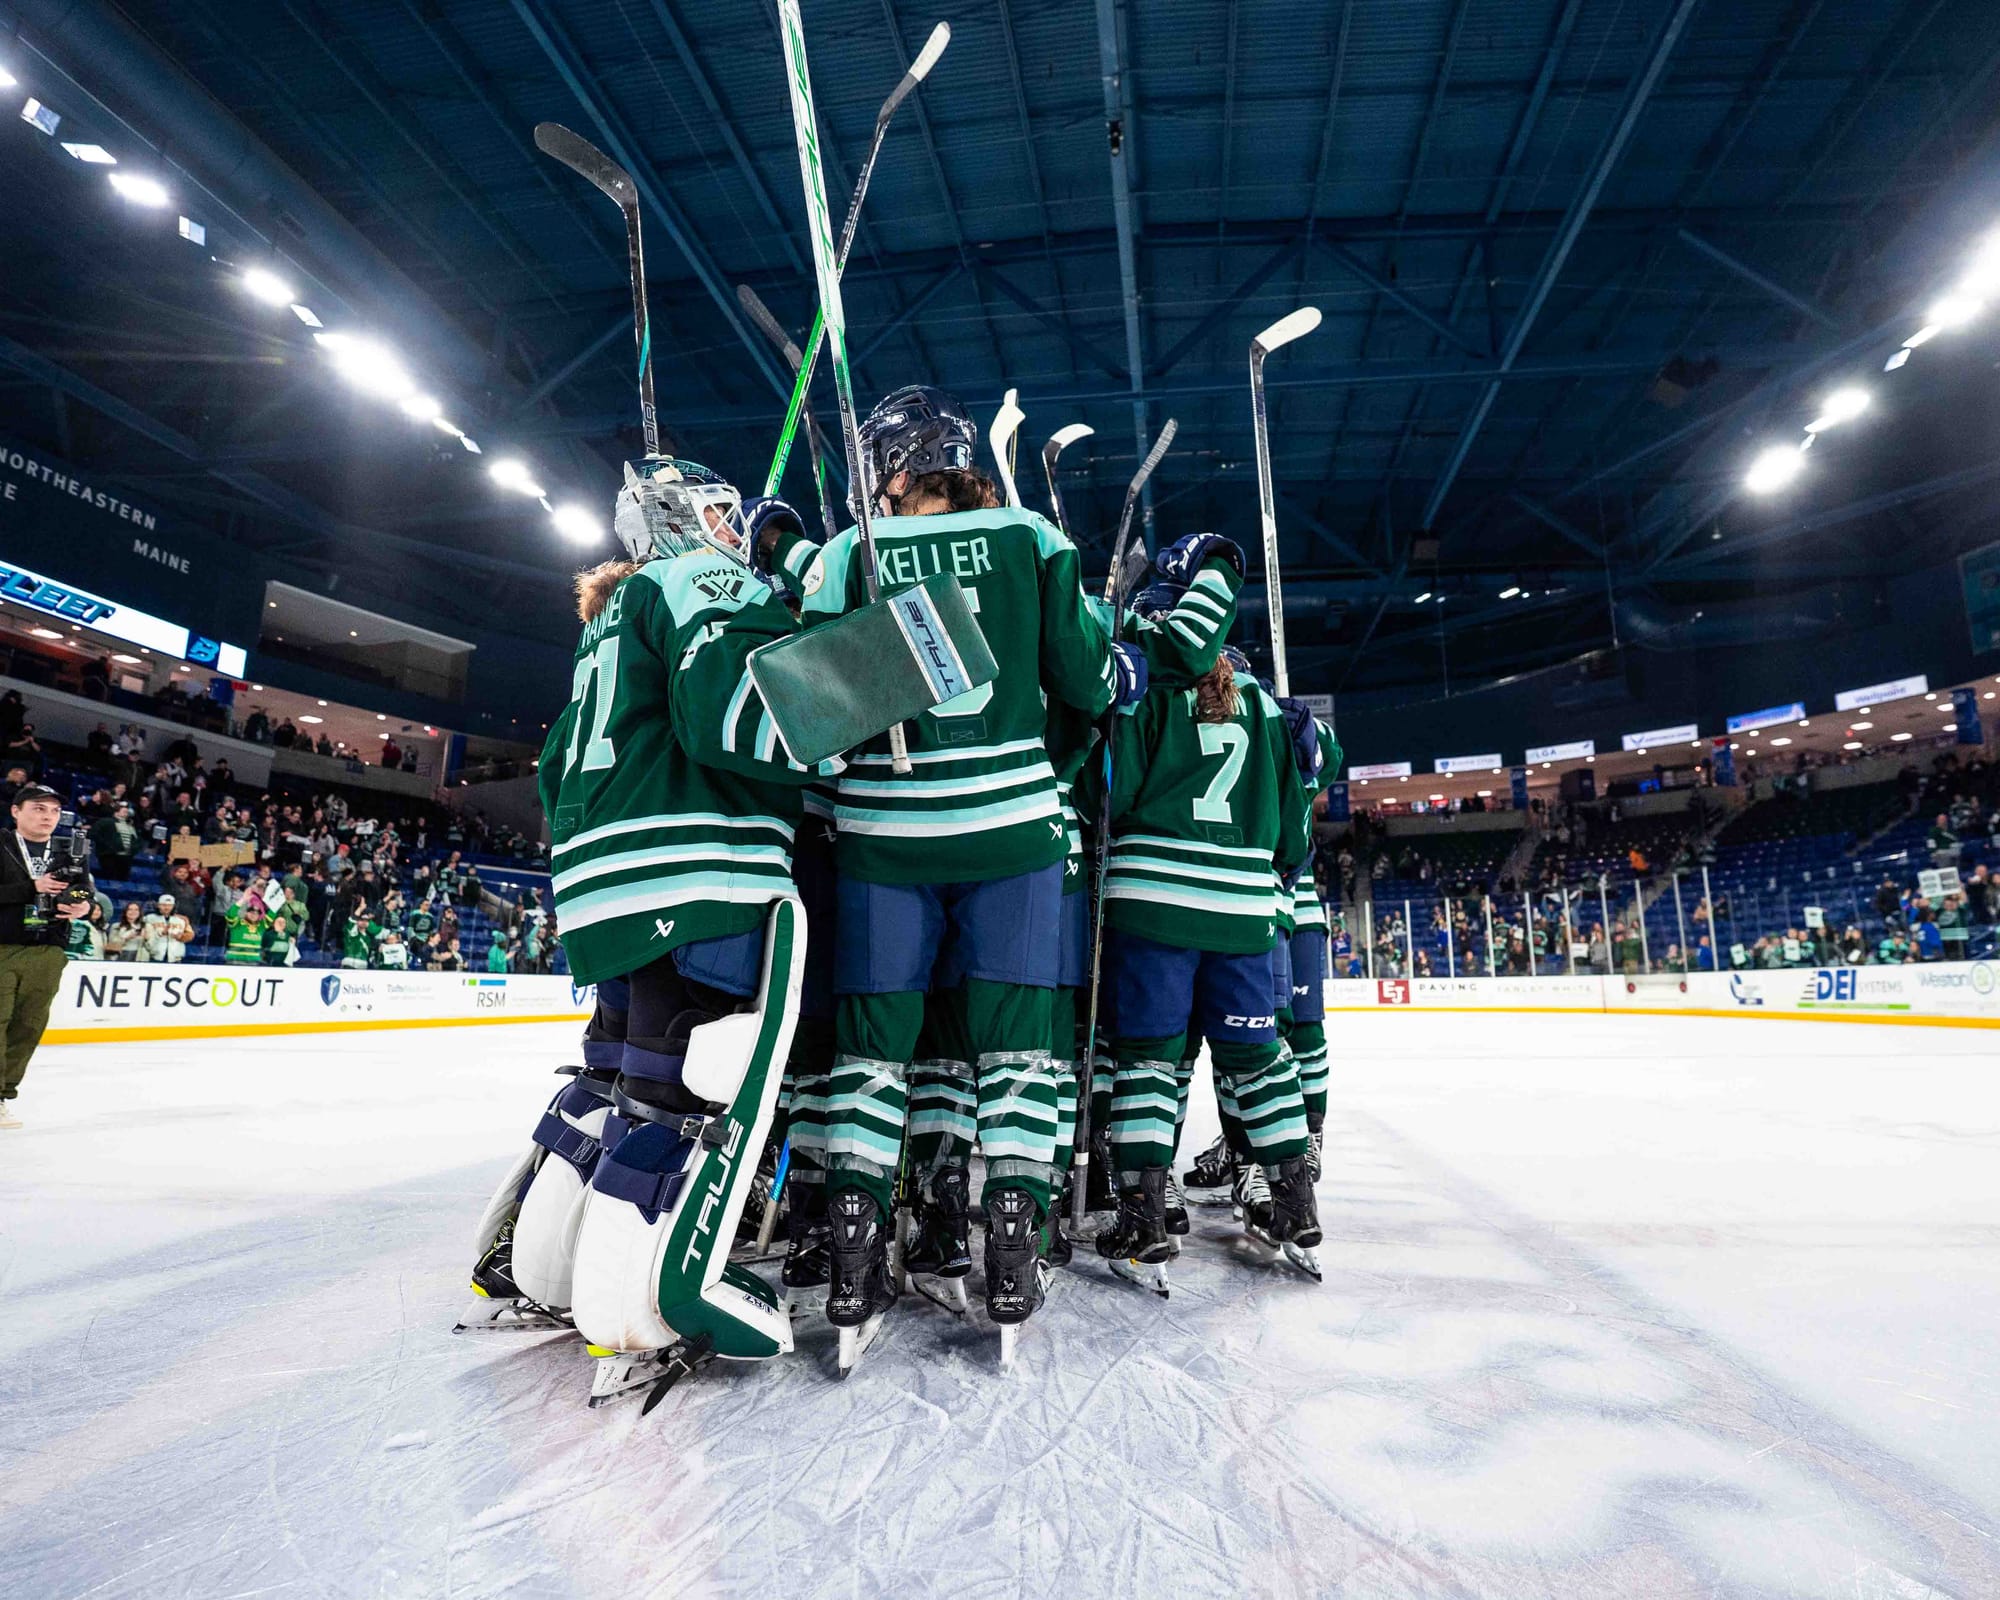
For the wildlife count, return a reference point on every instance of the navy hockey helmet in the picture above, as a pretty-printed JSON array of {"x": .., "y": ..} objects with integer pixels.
[
  {"x": 670, "y": 507},
  {"x": 916, "y": 429}
]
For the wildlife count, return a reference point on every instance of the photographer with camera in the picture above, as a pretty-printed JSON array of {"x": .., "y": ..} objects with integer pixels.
[{"x": 44, "y": 883}]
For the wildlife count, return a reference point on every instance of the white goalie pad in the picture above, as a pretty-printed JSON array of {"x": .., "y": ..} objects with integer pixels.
[
  {"x": 652, "y": 1254},
  {"x": 551, "y": 1213}
]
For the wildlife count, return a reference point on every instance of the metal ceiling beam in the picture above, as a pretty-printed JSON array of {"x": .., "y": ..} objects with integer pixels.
[
  {"x": 1388, "y": 291},
  {"x": 624, "y": 148},
  {"x": 1560, "y": 247},
  {"x": 1548, "y": 518},
  {"x": 1750, "y": 275},
  {"x": 1059, "y": 326},
  {"x": 923, "y": 297},
  {"x": 569, "y": 369},
  {"x": 1227, "y": 306},
  {"x": 1118, "y": 132}
]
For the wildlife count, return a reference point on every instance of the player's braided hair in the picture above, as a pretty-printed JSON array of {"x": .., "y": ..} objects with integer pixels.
[
  {"x": 1216, "y": 698},
  {"x": 961, "y": 489},
  {"x": 594, "y": 586}
]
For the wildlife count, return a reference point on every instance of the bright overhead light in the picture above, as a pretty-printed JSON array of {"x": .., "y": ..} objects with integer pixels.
[
  {"x": 37, "y": 115},
  {"x": 1945, "y": 707},
  {"x": 1852, "y": 744},
  {"x": 1437, "y": 797},
  {"x": 1486, "y": 794},
  {"x": 263, "y": 284},
  {"x": 1843, "y": 405},
  {"x": 1422, "y": 598},
  {"x": 1859, "y": 727},
  {"x": 353, "y": 634},
  {"x": 444, "y": 425},
  {"x": 192, "y": 231},
  {"x": 1932, "y": 695},
  {"x": 1773, "y": 469},
  {"x": 420, "y": 408},
  {"x": 92, "y": 155},
  {"x": 141, "y": 190},
  {"x": 308, "y": 717},
  {"x": 1642, "y": 750},
  {"x": 1953, "y": 311},
  {"x": 513, "y": 474},
  {"x": 1988, "y": 695},
  {"x": 1898, "y": 738},
  {"x": 7, "y": 79},
  {"x": 1982, "y": 277},
  {"x": 1780, "y": 741},
  {"x": 1923, "y": 336},
  {"x": 1951, "y": 727},
  {"x": 372, "y": 369},
  {"x": 577, "y": 525},
  {"x": 44, "y": 633},
  {"x": 1509, "y": 593},
  {"x": 126, "y": 661},
  {"x": 1805, "y": 722},
  {"x": 471, "y": 444},
  {"x": 319, "y": 702},
  {"x": 306, "y": 315}
]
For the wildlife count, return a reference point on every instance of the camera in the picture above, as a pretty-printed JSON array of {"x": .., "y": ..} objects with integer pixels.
[{"x": 69, "y": 860}]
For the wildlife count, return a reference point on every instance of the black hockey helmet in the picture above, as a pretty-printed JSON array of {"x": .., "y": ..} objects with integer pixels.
[{"x": 916, "y": 429}]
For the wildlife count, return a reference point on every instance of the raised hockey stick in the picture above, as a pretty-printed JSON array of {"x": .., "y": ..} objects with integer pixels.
[
  {"x": 1123, "y": 584},
  {"x": 1292, "y": 326},
  {"x": 582, "y": 157},
  {"x": 1000, "y": 439},
  {"x": 833, "y": 315},
  {"x": 919, "y": 70},
  {"x": 1061, "y": 439},
  {"x": 773, "y": 330}
]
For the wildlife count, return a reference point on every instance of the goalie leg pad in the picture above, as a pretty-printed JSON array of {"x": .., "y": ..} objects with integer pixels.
[
  {"x": 652, "y": 1259},
  {"x": 552, "y": 1209}
]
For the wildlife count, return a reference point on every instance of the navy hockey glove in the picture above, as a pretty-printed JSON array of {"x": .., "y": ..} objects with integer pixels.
[
  {"x": 765, "y": 519},
  {"x": 1130, "y": 663},
  {"x": 1180, "y": 561},
  {"x": 1305, "y": 737}
]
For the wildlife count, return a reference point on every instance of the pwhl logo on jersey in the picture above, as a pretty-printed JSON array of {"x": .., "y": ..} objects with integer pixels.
[{"x": 720, "y": 585}]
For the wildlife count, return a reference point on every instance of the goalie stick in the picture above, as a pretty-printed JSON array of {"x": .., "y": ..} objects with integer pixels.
[
  {"x": 585, "y": 159},
  {"x": 1118, "y": 590},
  {"x": 1000, "y": 440},
  {"x": 1060, "y": 440},
  {"x": 773, "y": 330},
  {"x": 1292, "y": 326},
  {"x": 919, "y": 69}
]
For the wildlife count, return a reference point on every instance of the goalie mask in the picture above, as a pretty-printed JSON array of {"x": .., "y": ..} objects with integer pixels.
[
  {"x": 917, "y": 429},
  {"x": 669, "y": 508}
]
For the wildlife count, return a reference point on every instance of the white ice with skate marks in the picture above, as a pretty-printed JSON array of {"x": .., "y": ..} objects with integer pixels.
[{"x": 1614, "y": 1307}]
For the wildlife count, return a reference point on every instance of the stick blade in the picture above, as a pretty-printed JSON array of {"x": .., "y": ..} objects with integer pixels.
[
  {"x": 933, "y": 48},
  {"x": 1293, "y": 325},
  {"x": 587, "y": 161},
  {"x": 768, "y": 325},
  {"x": 1068, "y": 434},
  {"x": 1128, "y": 571},
  {"x": 1156, "y": 455}
]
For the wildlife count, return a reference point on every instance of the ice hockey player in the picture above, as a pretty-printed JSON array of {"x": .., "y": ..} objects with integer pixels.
[
  {"x": 966, "y": 851},
  {"x": 1302, "y": 1020},
  {"x": 675, "y": 809},
  {"x": 1208, "y": 816}
]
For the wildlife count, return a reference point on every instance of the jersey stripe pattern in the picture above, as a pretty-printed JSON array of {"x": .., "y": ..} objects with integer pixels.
[{"x": 672, "y": 801}]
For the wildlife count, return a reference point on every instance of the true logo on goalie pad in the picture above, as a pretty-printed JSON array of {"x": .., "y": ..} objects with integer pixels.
[{"x": 935, "y": 654}]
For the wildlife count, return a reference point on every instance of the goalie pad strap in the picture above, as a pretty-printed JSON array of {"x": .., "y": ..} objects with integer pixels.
[{"x": 561, "y": 1138}]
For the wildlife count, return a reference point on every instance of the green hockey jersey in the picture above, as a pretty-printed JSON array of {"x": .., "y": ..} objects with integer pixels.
[
  {"x": 671, "y": 800},
  {"x": 1207, "y": 819},
  {"x": 981, "y": 802},
  {"x": 1307, "y": 909}
]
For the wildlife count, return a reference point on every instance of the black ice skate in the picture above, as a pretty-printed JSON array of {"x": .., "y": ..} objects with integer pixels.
[
  {"x": 1294, "y": 1226},
  {"x": 1016, "y": 1275},
  {"x": 1056, "y": 1248},
  {"x": 1098, "y": 1195},
  {"x": 859, "y": 1287},
  {"x": 1137, "y": 1244},
  {"x": 498, "y": 1306},
  {"x": 1213, "y": 1170},
  {"x": 1177, "y": 1211},
  {"x": 939, "y": 1254},
  {"x": 808, "y": 1254},
  {"x": 1250, "y": 1198},
  {"x": 1315, "y": 1142}
]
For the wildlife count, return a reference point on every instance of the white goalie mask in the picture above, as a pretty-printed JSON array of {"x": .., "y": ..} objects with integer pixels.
[{"x": 669, "y": 507}]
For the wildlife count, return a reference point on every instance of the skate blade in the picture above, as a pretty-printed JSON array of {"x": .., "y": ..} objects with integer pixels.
[
  {"x": 1146, "y": 1274},
  {"x": 1305, "y": 1258},
  {"x": 953, "y": 1298},
  {"x": 1010, "y": 1335},
  {"x": 511, "y": 1316},
  {"x": 617, "y": 1373},
  {"x": 854, "y": 1342},
  {"x": 807, "y": 1300}
]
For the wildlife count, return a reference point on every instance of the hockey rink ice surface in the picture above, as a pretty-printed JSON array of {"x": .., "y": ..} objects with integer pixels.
[{"x": 1614, "y": 1307}]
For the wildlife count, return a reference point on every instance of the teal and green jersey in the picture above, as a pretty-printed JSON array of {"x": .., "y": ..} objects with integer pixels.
[
  {"x": 981, "y": 801},
  {"x": 357, "y": 939},
  {"x": 671, "y": 799},
  {"x": 246, "y": 940},
  {"x": 1307, "y": 909},
  {"x": 1207, "y": 819}
]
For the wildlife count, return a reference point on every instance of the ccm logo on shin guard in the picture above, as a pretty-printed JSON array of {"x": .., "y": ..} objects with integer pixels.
[
  {"x": 1249, "y": 1022},
  {"x": 725, "y": 1164}
]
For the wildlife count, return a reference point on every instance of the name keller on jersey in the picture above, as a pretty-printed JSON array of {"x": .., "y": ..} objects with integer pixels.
[{"x": 896, "y": 565}]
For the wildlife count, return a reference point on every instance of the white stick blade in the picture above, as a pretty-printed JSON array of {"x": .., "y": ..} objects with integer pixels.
[
  {"x": 1069, "y": 433},
  {"x": 933, "y": 48},
  {"x": 1296, "y": 325}
]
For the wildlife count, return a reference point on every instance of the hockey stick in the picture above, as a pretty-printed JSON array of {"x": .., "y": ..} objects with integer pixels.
[
  {"x": 1000, "y": 439},
  {"x": 1292, "y": 326},
  {"x": 1119, "y": 591},
  {"x": 919, "y": 70},
  {"x": 833, "y": 315},
  {"x": 1058, "y": 441},
  {"x": 773, "y": 330},
  {"x": 584, "y": 158}
]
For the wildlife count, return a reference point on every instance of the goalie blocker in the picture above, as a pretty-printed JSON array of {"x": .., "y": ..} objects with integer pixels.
[{"x": 652, "y": 1256}]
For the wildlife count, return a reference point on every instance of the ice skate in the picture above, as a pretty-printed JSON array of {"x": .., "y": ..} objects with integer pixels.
[
  {"x": 498, "y": 1306},
  {"x": 1137, "y": 1245},
  {"x": 1057, "y": 1250},
  {"x": 1211, "y": 1174},
  {"x": 1315, "y": 1142},
  {"x": 616, "y": 1372},
  {"x": 1250, "y": 1199},
  {"x": 860, "y": 1288},
  {"x": 1016, "y": 1274},
  {"x": 1177, "y": 1209},
  {"x": 1294, "y": 1227},
  {"x": 807, "y": 1265},
  {"x": 939, "y": 1254}
]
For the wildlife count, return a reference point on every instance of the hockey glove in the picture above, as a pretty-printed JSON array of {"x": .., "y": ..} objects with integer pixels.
[
  {"x": 1130, "y": 663},
  {"x": 1180, "y": 561},
  {"x": 1305, "y": 737},
  {"x": 766, "y": 519}
]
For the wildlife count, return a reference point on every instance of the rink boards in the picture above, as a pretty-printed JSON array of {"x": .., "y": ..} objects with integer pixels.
[
  {"x": 1951, "y": 994},
  {"x": 105, "y": 1002}
]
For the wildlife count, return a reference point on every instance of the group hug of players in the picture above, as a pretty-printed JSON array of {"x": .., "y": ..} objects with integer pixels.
[{"x": 879, "y": 971}]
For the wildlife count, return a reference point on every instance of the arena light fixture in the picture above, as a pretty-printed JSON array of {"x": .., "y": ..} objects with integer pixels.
[
  {"x": 511, "y": 473},
  {"x": 1859, "y": 727},
  {"x": 1422, "y": 598},
  {"x": 372, "y": 369},
  {"x": 1780, "y": 741},
  {"x": 44, "y": 633},
  {"x": 1774, "y": 469},
  {"x": 1843, "y": 405},
  {"x": 420, "y": 408},
  {"x": 1932, "y": 695},
  {"x": 1951, "y": 727},
  {"x": 307, "y": 315},
  {"x": 576, "y": 524},
  {"x": 308, "y": 717},
  {"x": 92, "y": 155},
  {"x": 1898, "y": 738},
  {"x": 141, "y": 190},
  {"x": 127, "y": 661},
  {"x": 1852, "y": 744},
  {"x": 1955, "y": 310},
  {"x": 39, "y": 116},
  {"x": 1509, "y": 593},
  {"x": 319, "y": 702},
  {"x": 1486, "y": 794},
  {"x": 7, "y": 79},
  {"x": 191, "y": 231},
  {"x": 260, "y": 283}
]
